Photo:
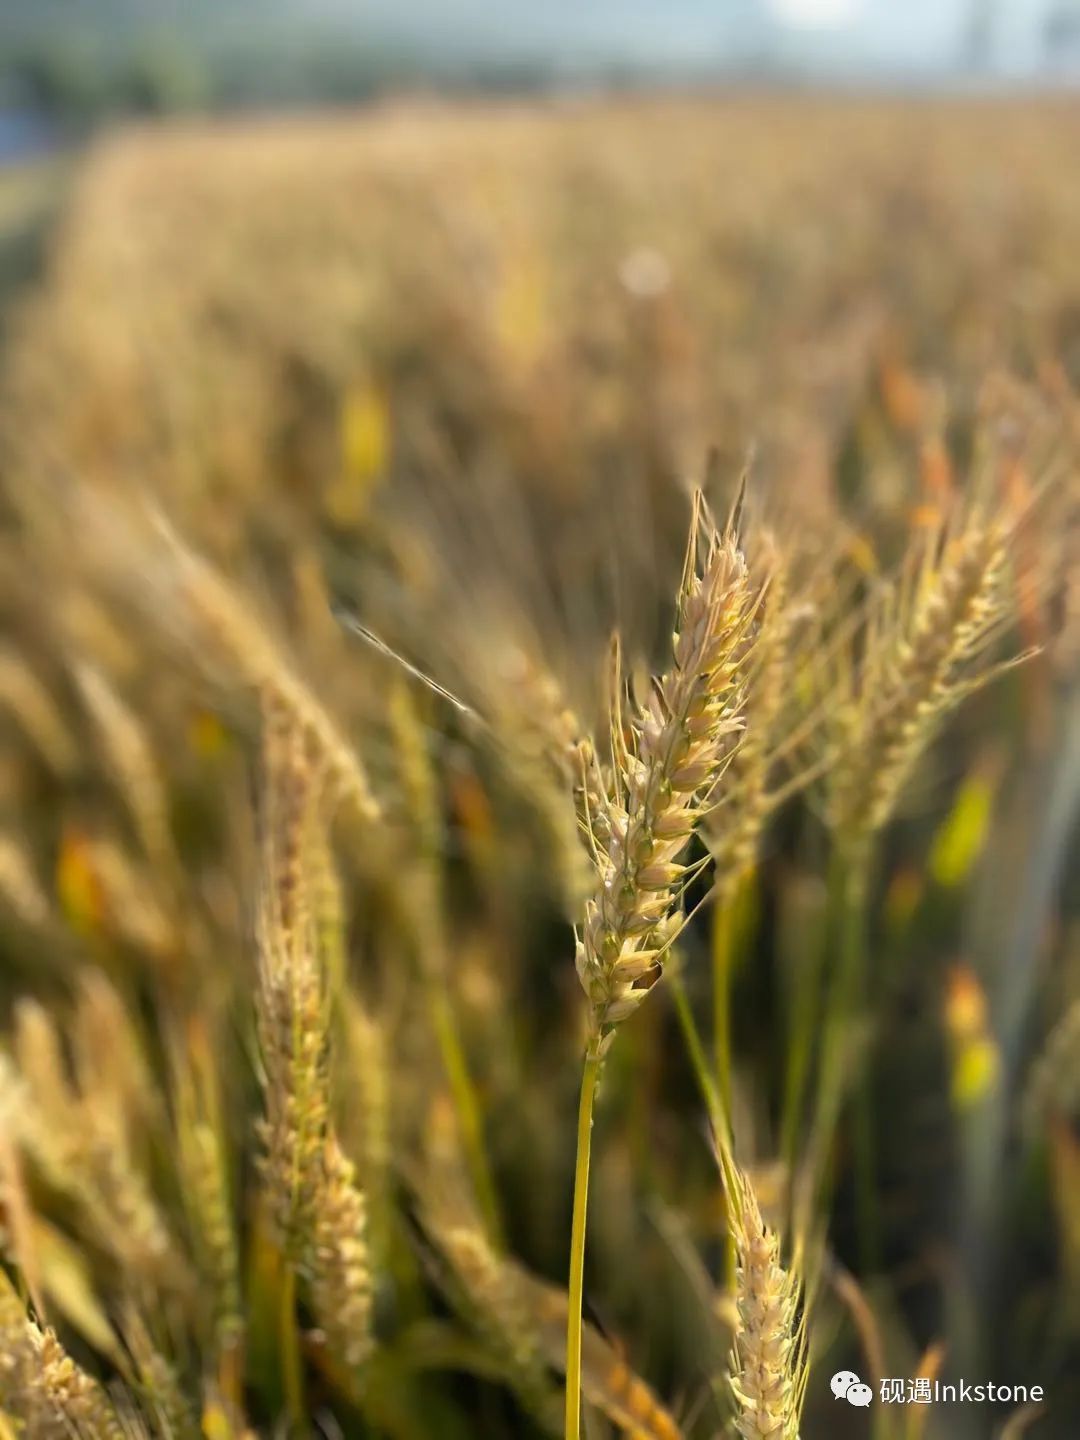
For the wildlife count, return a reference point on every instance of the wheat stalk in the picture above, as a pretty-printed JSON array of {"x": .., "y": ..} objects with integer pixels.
[
  {"x": 522, "y": 1318},
  {"x": 424, "y": 921},
  {"x": 369, "y": 1077},
  {"x": 206, "y": 1189}
]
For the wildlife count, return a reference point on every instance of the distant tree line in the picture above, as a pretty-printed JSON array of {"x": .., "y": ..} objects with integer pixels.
[
  {"x": 77, "y": 83},
  {"x": 120, "y": 66}
]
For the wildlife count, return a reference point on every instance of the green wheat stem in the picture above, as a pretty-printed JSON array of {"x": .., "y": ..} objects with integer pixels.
[
  {"x": 589, "y": 1076},
  {"x": 695, "y": 1049},
  {"x": 723, "y": 954},
  {"x": 719, "y": 1114},
  {"x": 292, "y": 1372},
  {"x": 853, "y": 971},
  {"x": 846, "y": 928},
  {"x": 808, "y": 987}
]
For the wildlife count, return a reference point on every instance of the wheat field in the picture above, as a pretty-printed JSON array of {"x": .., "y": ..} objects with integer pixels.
[{"x": 539, "y": 665}]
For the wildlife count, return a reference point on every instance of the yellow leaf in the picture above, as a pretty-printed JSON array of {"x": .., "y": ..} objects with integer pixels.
[
  {"x": 862, "y": 555},
  {"x": 929, "y": 1368},
  {"x": 975, "y": 1070},
  {"x": 216, "y": 1424},
  {"x": 902, "y": 898},
  {"x": 66, "y": 1283},
  {"x": 520, "y": 309},
  {"x": 206, "y": 735},
  {"x": 962, "y": 834},
  {"x": 365, "y": 449},
  {"x": 78, "y": 886}
]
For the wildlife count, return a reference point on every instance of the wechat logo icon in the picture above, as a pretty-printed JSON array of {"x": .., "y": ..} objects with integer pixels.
[{"x": 846, "y": 1385}]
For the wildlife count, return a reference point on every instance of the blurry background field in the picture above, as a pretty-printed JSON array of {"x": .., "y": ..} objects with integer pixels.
[{"x": 451, "y": 367}]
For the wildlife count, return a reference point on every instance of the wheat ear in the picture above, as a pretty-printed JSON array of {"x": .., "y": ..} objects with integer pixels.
[
  {"x": 768, "y": 1361},
  {"x": 230, "y": 634},
  {"x": 318, "y": 1207},
  {"x": 129, "y": 754},
  {"x": 920, "y": 655},
  {"x": 42, "y": 1384},
  {"x": 81, "y": 1140},
  {"x": 666, "y": 760},
  {"x": 733, "y": 828}
]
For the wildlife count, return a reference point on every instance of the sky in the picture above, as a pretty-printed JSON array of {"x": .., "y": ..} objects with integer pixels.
[
  {"x": 854, "y": 38},
  {"x": 915, "y": 32}
]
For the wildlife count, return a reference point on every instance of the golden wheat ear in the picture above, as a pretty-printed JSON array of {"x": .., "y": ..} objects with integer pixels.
[
  {"x": 667, "y": 756},
  {"x": 81, "y": 1136},
  {"x": 139, "y": 553},
  {"x": 768, "y": 1367},
  {"x": 734, "y": 826},
  {"x": 319, "y": 1209},
  {"x": 924, "y": 646},
  {"x": 42, "y": 1387}
]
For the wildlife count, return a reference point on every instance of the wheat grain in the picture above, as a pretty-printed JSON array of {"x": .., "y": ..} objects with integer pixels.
[{"x": 338, "y": 1258}]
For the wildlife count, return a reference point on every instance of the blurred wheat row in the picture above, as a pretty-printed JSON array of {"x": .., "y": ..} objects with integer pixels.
[{"x": 348, "y": 467}]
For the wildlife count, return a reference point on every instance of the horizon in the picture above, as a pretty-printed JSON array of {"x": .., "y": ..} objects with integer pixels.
[{"x": 847, "y": 40}]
